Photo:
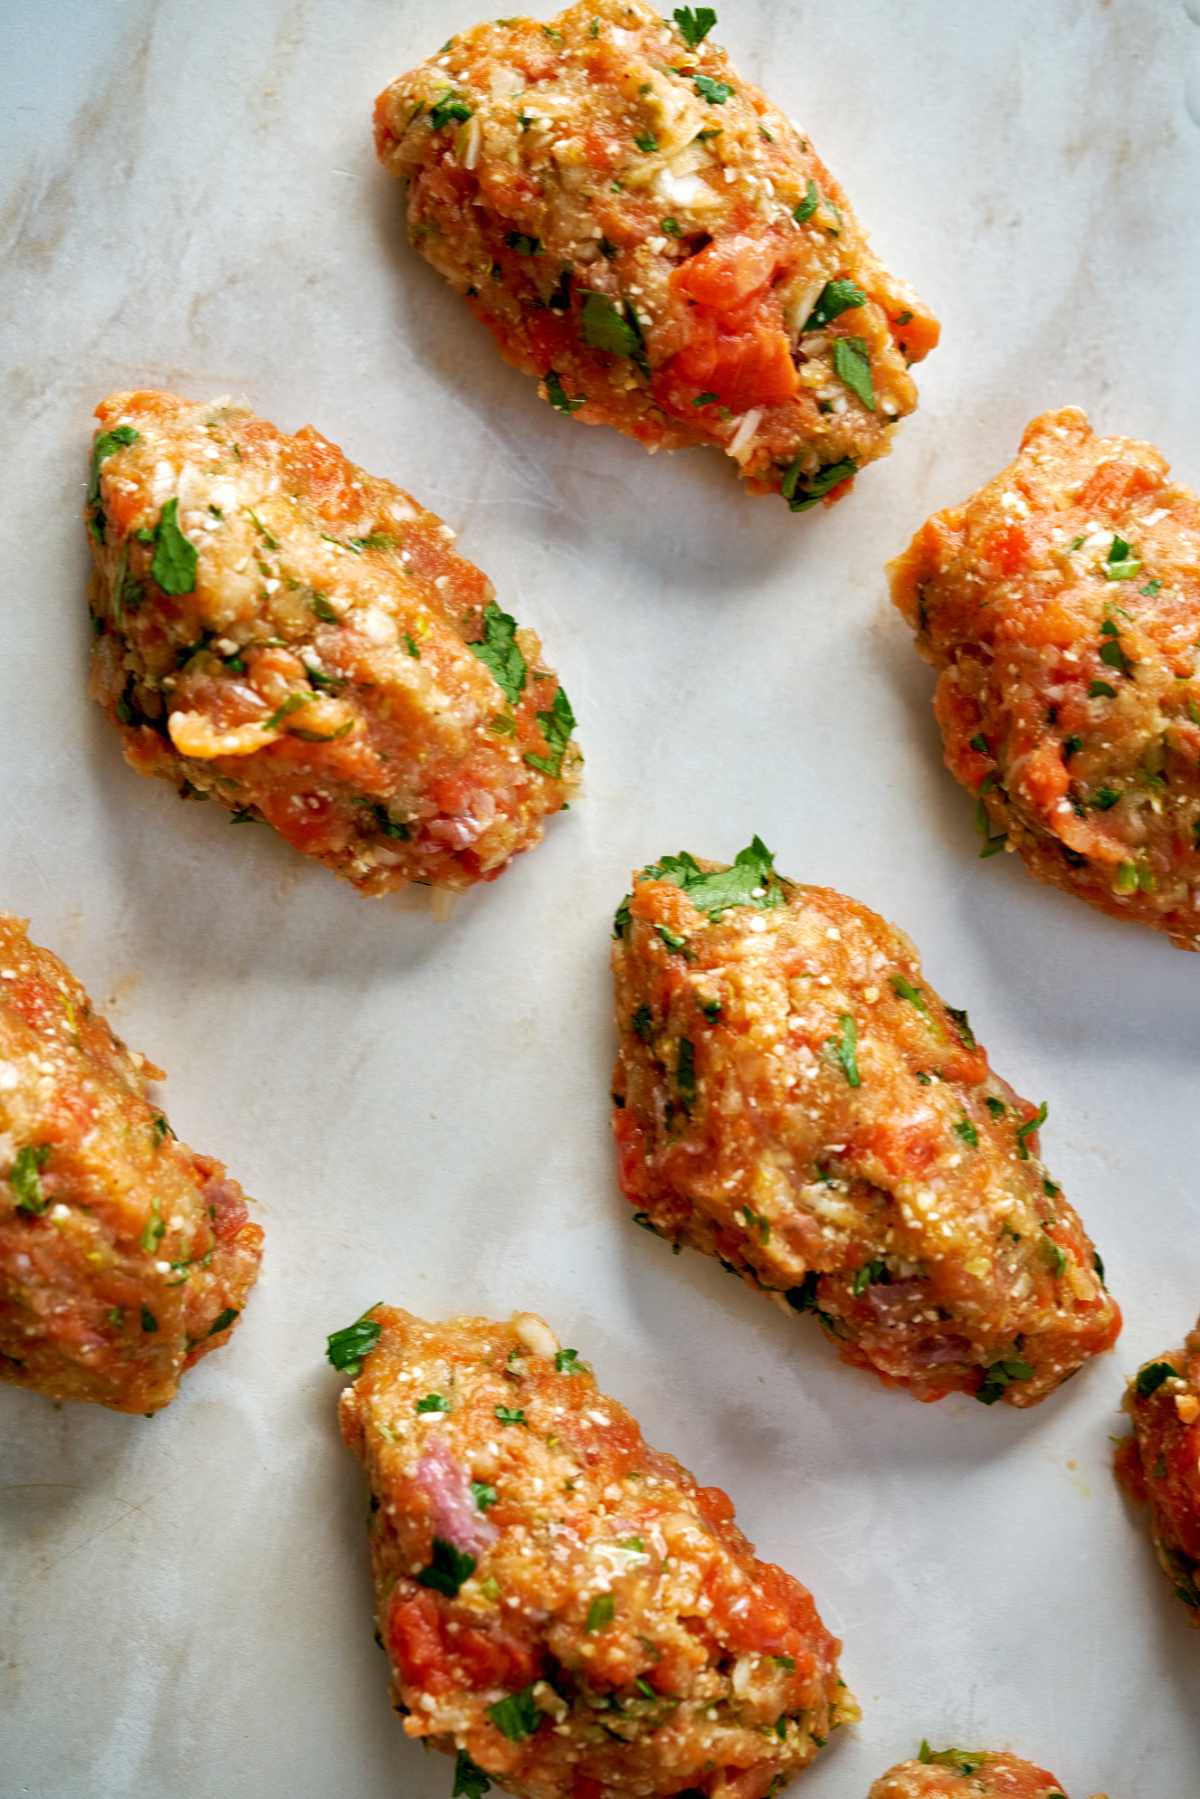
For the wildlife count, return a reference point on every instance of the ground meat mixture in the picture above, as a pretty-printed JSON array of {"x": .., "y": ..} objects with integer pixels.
[
  {"x": 124, "y": 1255},
  {"x": 1061, "y": 607},
  {"x": 1159, "y": 1463},
  {"x": 284, "y": 633},
  {"x": 792, "y": 1097},
  {"x": 967, "y": 1774},
  {"x": 565, "y": 1610},
  {"x": 643, "y": 231}
]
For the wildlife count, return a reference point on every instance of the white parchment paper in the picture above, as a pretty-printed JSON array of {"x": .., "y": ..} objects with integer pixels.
[{"x": 420, "y": 1107}]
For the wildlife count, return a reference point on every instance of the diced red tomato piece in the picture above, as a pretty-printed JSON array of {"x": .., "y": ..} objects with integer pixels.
[
  {"x": 1114, "y": 483},
  {"x": 728, "y": 271},
  {"x": 1007, "y": 548}
]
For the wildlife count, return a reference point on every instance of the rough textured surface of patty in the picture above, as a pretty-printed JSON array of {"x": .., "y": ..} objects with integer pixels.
[
  {"x": 1061, "y": 607},
  {"x": 284, "y": 633},
  {"x": 564, "y": 1608},
  {"x": 1159, "y": 1463},
  {"x": 662, "y": 247},
  {"x": 124, "y": 1255},
  {"x": 792, "y": 1097},
  {"x": 967, "y": 1774}
]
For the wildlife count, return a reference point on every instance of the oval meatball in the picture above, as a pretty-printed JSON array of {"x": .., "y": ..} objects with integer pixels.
[
  {"x": 284, "y": 633},
  {"x": 124, "y": 1255},
  {"x": 563, "y": 1607},
  {"x": 792, "y": 1097},
  {"x": 967, "y": 1774},
  {"x": 1159, "y": 1463},
  {"x": 643, "y": 231},
  {"x": 1061, "y": 607}
]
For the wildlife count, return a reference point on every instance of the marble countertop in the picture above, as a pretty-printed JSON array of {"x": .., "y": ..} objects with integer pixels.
[{"x": 190, "y": 201}]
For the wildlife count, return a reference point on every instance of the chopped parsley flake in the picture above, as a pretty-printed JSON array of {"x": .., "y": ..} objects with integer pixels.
[
  {"x": 1101, "y": 690},
  {"x": 154, "y": 1230},
  {"x": 695, "y": 23},
  {"x": 989, "y": 845},
  {"x": 470, "y": 1781},
  {"x": 523, "y": 244},
  {"x": 685, "y": 1069},
  {"x": 1000, "y": 1376},
  {"x": 852, "y": 366},
  {"x": 450, "y": 106},
  {"x": 600, "y": 1612},
  {"x": 346, "y": 1348},
  {"x": 905, "y": 990},
  {"x": 483, "y": 1495},
  {"x": 567, "y": 1361},
  {"x": 557, "y": 724},
  {"x": 1111, "y": 652},
  {"x": 374, "y": 540},
  {"x": 809, "y": 204},
  {"x": 508, "y": 1414},
  {"x": 450, "y": 1569},
  {"x": 433, "y": 1402},
  {"x": 557, "y": 394},
  {"x": 222, "y": 1321},
  {"x": 751, "y": 881},
  {"x": 835, "y": 298},
  {"x": 388, "y": 825},
  {"x": 148, "y": 1321},
  {"x": 1026, "y": 1130},
  {"x": 966, "y": 1130},
  {"x": 995, "y": 1106},
  {"x": 173, "y": 565},
  {"x": 1151, "y": 588},
  {"x": 866, "y": 1276},
  {"x": 642, "y": 1022},
  {"x": 1123, "y": 561},
  {"x": 516, "y": 1717},
  {"x": 802, "y": 491},
  {"x": 1052, "y": 1254},
  {"x": 271, "y": 542},
  {"x": 804, "y": 1299},
  {"x": 26, "y": 1179},
  {"x": 756, "y": 1221},
  {"x": 1151, "y": 1377},
  {"x": 844, "y": 1048},
  {"x": 500, "y": 652},
  {"x": 963, "y": 1761},
  {"x": 715, "y": 92},
  {"x": 606, "y": 328},
  {"x": 108, "y": 442},
  {"x": 292, "y": 704},
  {"x": 646, "y": 141}
]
